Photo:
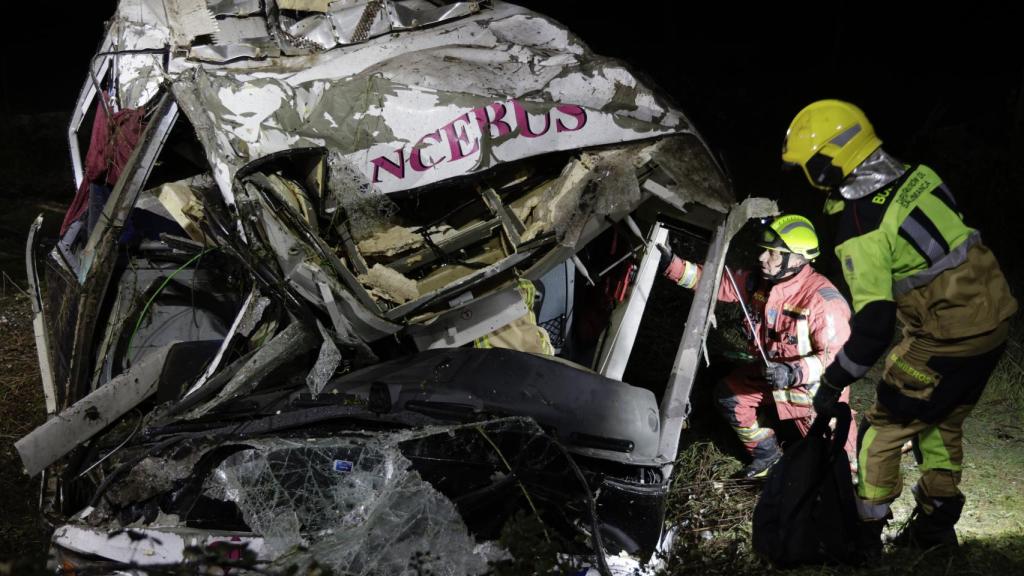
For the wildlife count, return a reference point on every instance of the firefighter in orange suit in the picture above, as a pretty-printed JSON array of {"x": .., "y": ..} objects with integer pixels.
[{"x": 801, "y": 320}]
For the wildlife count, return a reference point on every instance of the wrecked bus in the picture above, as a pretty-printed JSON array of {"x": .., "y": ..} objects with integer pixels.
[{"x": 353, "y": 284}]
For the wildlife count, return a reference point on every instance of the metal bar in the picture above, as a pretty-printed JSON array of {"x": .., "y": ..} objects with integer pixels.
[
  {"x": 513, "y": 227},
  {"x": 625, "y": 320},
  {"x": 621, "y": 259},
  {"x": 458, "y": 241},
  {"x": 675, "y": 405},
  {"x": 42, "y": 336},
  {"x": 746, "y": 314},
  {"x": 582, "y": 269},
  {"x": 354, "y": 256},
  {"x": 452, "y": 289},
  {"x": 83, "y": 420},
  {"x": 85, "y": 98}
]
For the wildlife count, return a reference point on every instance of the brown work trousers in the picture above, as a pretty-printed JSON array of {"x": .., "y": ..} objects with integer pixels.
[{"x": 927, "y": 391}]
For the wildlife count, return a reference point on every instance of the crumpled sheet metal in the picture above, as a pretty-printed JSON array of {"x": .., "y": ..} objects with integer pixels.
[
  {"x": 697, "y": 179},
  {"x": 327, "y": 362},
  {"x": 598, "y": 183},
  {"x": 429, "y": 104},
  {"x": 135, "y": 28},
  {"x": 353, "y": 505},
  {"x": 284, "y": 347},
  {"x": 188, "y": 20}
]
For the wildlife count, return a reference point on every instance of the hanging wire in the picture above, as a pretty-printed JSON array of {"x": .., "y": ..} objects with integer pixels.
[
  {"x": 508, "y": 467},
  {"x": 145, "y": 309}
]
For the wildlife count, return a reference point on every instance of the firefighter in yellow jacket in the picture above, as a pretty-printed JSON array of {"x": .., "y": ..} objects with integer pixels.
[{"x": 905, "y": 253}]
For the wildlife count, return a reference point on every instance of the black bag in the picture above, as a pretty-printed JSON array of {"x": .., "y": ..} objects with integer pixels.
[{"x": 807, "y": 513}]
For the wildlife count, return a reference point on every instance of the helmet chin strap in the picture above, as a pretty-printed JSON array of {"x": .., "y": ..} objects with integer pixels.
[{"x": 785, "y": 271}]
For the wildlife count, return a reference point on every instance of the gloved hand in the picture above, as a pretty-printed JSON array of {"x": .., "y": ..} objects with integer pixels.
[
  {"x": 779, "y": 375},
  {"x": 666, "y": 258},
  {"x": 826, "y": 397}
]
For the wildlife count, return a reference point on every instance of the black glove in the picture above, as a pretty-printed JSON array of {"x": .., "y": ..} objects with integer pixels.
[
  {"x": 826, "y": 397},
  {"x": 666, "y": 258},
  {"x": 779, "y": 375}
]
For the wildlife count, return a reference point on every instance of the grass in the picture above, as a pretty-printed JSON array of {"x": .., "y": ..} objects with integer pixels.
[{"x": 22, "y": 533}]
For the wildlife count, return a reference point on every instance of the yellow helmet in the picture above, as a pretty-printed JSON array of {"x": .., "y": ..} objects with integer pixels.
[
  {"x": 828, "y": 139},
  {"x": 791, "y": 233}
]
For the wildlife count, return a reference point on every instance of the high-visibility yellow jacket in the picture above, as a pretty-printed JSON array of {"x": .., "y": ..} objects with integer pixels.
[{"x": 905, "y": 251}]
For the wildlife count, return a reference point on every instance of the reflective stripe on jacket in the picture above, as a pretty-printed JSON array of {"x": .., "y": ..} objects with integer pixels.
[
  {"x": 803, "y": 320},
  {"x": 905, "y": 251}
]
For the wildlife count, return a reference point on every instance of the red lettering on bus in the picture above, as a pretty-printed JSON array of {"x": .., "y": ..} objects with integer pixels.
[
  {"x": 396, "y": 169},
  {"x": 457, "y": 135},
  {"x": 523, "y": 121},
  {"x": 415, "y": 155},
  {"x": 486, "y": 122},
  {"x": 573, "y": 111}
]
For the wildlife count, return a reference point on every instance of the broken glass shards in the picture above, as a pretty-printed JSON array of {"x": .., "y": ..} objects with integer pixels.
[{"x": 356, "y": 505}]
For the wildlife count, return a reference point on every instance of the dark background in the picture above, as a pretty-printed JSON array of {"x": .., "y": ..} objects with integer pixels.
[{"x": 942, "y": 86}]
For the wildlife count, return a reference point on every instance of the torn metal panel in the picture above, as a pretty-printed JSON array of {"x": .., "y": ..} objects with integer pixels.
[
  {"x": 469, "y": 321},
  {"x": 189, "y": 19},
  {"x": 42, "y": 335},
  {"x": 253, "y": 49},
  {"x": 355, "y": 22},
  {"x": 245, "y": 321},
  {"x": 696, "y": 177},
  {"x": 283, "y": 348},
  {"x": 239, "y": 30},
  {"x": 73, "y": 426},
  {"x": 236, "y": 7},
  {"x": 305, "y": 5},
  {"x": 421, "y": 122},
  {"x": 147, "y": 547},
  {"x": 406, "y": 17},
  {"x": 327, "y": 362}
]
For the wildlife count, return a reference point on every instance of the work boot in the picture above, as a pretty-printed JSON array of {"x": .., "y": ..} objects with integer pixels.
[
  {"x": 924, "y": 530},
  {"x": 869, "y": 540},
  {"x": 766, "y": 454}
]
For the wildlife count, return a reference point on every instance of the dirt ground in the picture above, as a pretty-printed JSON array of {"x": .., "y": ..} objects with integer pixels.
[{"x": 22, "y": 534}]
